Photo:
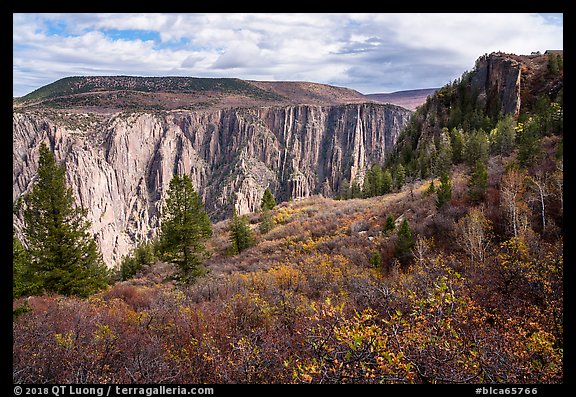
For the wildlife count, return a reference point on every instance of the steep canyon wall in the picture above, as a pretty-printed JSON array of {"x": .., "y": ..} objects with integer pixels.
[{"x": 119, "y": 166}]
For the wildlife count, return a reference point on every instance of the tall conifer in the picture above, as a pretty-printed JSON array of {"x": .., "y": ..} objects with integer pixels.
[
  {"x": 185, "y": 227},
  {"x": 64, "y": 257}
]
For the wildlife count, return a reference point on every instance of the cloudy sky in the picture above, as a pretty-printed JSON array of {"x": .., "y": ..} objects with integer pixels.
[{"x": 367, "y": 52}]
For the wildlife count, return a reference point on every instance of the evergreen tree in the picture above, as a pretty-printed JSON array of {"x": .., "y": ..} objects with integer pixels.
[
  {"x": 444, "y": 191},
  {"x": 476, "y": 148},
  {"x": 355, "y": 191},
  {"x": 64, "y": 257},
  {"x": 389, "y": 225},
  {"x": 404, "y": 242},
  {"x": 368, "y": 187},
  {"x": 399, "y": 176},
  {"x": 344, "y": 190},
  {"x": 478, "y": 182},
  {"x": 185, "y": 228},
  {"x": 22, "y": 278},
  {"x": 443, "y": 160},
  {"x": 241, "y": 235},
  {"x": 268, "y": 200},
  {"x": 374, "y": 183},
  {"x": 457, "y": 144},
  {"x": 142, "y": 255},
  {"x": 265, "y": 221},
  {"x": 503, "y": 136},
  {"x": 529, "y": 143},
  {"x": 386, "y": 181},
  {"x": 376, "y": 260}
]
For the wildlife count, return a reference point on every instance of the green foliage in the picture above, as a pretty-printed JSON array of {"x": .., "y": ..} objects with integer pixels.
[
  {"x": 344, "y": 192},
  {"x": 266, "y": 222},
  {"x": 67, "y": 87},
  {"x": 268, "y": 200},
  {"x": 529, "y": 142},
  {"x": 355, "y": 191},
  {"x": 376, "y": 260},
  {"x": 22, "y": 278},
  {"x": 431, "y": 189},
  {"x": 377, "y": 182},
  {"x": 64, "y": 257},
  {"x": 476, "y": 148},
  {"x": 404, "y": 241},
  {"x": 399, "y": 176},
  {"x": 443, "y": 160},
  {"x": 444, "y": 191},
  {"x": 185, "y": 228},
  {"x": 502, "y": 138},
  {"x": 142, "y": 255},
  {"x": 457, "y": 144},
  {"x": 241, "y": 236},
  {"x": 389, "y": 225},
  {"x": 478, "y": 182}
]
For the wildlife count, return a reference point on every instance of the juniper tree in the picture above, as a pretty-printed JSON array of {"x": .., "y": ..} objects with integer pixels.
[
  {"x": 268, "y": 200},
  {"x": 64, "y": 257},
  {"x": 185, "y": 228}
]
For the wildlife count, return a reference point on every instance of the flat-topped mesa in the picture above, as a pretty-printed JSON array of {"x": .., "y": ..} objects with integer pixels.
[{"x": 120, "y": 93}]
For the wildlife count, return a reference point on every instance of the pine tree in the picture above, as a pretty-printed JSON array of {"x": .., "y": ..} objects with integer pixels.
[
  {"x": 268, "y": 200},
  {"x": 386, "y": 181},
  {"x": 185, "y": 228},
  {"x": 265, "y": 221},
  {"x": 444, "y": 191},
  {"x": 389, "y": 225},
  {"x": 241, "y": 235},
  {"x": 529, "y": 143},
  {"x": 478, "y": 182},
  {"x": 457, "y": 144},
  {"x": 476, "y": 148},
  {"x": 344, "y": 190},
  {"x": 64, "y": 257},
  {"x": 503, "y": 136},
  {"x": 404, "y": 242},
  {"x": 399, "y": 176},
  {"x": 22, "y": 278},
  {"x": 355, "y": 191}
]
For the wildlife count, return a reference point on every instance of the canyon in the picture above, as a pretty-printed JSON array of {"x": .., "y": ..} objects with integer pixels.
[
  {"x": 122, "y": 138},
  {"x": 119, "y": 164}
]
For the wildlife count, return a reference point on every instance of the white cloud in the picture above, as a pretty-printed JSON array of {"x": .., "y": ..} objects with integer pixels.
[{"x": 368, "y": 52}]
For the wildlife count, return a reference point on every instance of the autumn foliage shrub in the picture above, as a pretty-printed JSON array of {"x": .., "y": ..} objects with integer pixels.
[{"x": 304, "y": 305}]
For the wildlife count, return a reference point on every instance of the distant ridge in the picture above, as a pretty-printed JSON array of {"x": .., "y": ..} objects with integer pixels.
[
  {"x": 113, "y": 93},
  {"x": 409, "y": 99}
]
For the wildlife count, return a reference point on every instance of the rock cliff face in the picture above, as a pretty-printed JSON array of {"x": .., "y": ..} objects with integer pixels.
[
  {"x": 119, "y": 165},
  {"x": 499, "y": 76}
]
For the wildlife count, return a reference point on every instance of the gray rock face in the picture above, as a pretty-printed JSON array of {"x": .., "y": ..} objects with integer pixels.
[
  {"x": 119, "y": 166},
  {"x": 500, "y": 76}
]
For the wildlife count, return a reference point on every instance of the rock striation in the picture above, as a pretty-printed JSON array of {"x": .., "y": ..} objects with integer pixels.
[{"x": 119, "y": 165}]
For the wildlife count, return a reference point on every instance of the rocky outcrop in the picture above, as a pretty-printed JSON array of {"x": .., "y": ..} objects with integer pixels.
[
  {"x": 119, "y": 166},
  {"x": 497, "y": 76}
]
